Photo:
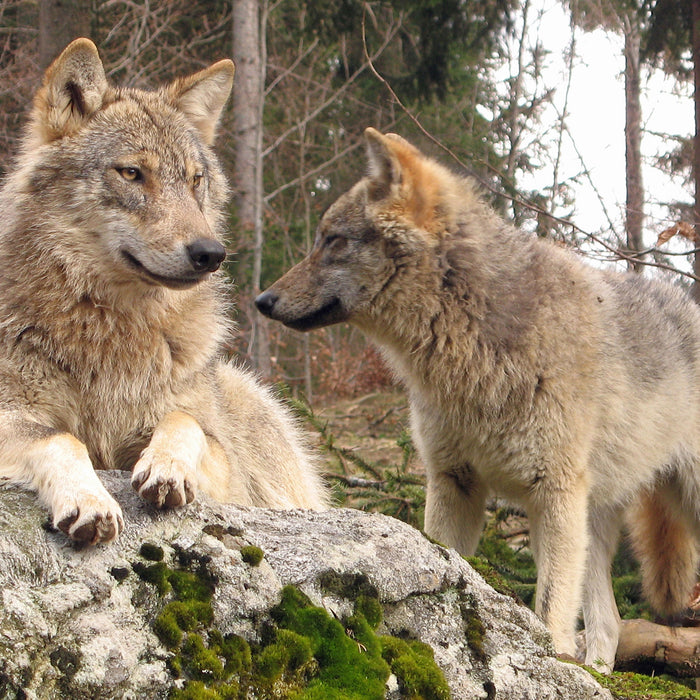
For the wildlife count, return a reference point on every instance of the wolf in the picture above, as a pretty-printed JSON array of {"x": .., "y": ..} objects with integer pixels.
[
  {"x": 113, "y": 311},
  {"x": 570, "y": 390}
]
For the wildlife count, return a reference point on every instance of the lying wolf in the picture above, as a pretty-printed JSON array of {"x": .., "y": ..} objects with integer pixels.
[
  {"x": 572, "y": 391},
  {"x": 112, "y": 314}
]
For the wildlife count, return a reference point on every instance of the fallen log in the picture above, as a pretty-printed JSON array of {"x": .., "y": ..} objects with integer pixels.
[{"x": 645, "y": 646}]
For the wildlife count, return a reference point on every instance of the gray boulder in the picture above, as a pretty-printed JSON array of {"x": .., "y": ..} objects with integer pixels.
[{"x": 78, "y": 623}]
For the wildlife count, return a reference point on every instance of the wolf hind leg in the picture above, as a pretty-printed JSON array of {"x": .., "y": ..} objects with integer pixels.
[
  {"x": 455, "y": 509},
  {"x": 666, "y": 546}
]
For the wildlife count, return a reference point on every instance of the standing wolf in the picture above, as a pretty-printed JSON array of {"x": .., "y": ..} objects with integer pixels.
[
  {"x": 572, "y": 391},
  {"x": 112, "y": 314}
]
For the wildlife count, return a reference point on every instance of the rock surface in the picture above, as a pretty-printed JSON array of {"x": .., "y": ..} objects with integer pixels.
[{"x": 78, "y": 623}]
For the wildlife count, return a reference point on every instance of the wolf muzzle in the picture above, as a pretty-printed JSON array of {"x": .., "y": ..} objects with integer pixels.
[
  {"x": 308, "y": 318},
  {"x": 205, "y": 254},
  {"x": 265, "y": 303}
]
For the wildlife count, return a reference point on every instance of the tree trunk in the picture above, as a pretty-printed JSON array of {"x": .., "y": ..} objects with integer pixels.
[
  {"x": 248, "y": 100},
  {"x": 61, "y": 21},
  {"x": 515, "y": 131},
  {"x": 634, "y": 212},
  {"x": 696, "y": 157}
]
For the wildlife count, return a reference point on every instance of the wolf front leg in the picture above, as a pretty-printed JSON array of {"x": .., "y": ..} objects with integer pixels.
[
  {"x": 600, "y": 614},
  {"x": 56, "y": 465},
  {"x": 167, "y": 472},
  {"x": 558, "y": 534},
  {"x": 455, "y": 508}
]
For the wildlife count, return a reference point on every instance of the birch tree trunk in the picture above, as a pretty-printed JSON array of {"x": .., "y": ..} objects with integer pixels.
[{"x": 249, "y": 55}]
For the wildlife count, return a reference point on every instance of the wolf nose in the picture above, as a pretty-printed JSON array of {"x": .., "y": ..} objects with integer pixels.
[
  {"x": 206, "y": 254},
  {"x": 265, "y": 302}
]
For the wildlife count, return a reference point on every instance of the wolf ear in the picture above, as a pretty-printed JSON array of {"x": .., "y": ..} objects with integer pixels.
[
  {"x": 202, "y": 96},
  {"x": 384, "y": 166},
  {"x": 397, "y": 168},
  {"x": 72, "y": 90}
]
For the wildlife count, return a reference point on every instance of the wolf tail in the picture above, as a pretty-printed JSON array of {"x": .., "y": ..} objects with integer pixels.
[{"x": 666, "y": 548}]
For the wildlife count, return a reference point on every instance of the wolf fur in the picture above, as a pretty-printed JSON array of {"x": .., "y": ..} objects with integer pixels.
[
  {"x": 113, "y": 316},
  {"x": 572, "y": 391}
]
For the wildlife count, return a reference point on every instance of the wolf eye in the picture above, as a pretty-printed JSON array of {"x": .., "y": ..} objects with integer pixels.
[
  {"x": 197, "y": 180},
  {"x": 335, "y": 241},
  {"x": 131, "y": 174}
]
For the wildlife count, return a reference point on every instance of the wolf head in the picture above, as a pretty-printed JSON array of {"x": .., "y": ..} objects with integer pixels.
[
  {"x": 402, "y": 210},
  {"x": 124, "y": 180}
]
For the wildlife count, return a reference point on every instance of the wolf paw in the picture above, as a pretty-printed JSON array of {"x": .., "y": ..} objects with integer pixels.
[
  {"x": 163, "y": 480},
  {"x": 91, "y": 520}
]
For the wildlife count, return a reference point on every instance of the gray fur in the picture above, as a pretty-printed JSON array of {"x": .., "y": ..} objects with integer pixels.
[{"x": 571, "y": 391}]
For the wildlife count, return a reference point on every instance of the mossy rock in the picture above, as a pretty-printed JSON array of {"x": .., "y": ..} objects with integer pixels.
[
  {"x": 347, "y": 585},
  {"x": 350, "y": 662},
  {"x": 305, "y": 653},
  {"x": 413, "y": 664},
  {"x": 152, "y": 552}
]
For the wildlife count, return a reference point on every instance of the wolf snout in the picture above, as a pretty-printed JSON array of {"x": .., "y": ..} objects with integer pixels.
[
  {"x": 265, "y": 302},
  {"x": 205, "y": 254}
]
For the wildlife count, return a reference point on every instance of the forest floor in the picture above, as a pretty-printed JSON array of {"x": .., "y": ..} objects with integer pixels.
[{"x": 370, "y": 424}]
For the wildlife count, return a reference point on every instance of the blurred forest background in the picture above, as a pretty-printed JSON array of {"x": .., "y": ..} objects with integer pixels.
[{"x": 463, "y": 80}]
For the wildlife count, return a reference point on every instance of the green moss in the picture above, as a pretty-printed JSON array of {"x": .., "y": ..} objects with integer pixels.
[
  {"x": 187, "y": 585},
  {"x": 199, "y": 661},
  {"x": 350, "y": 665},
  {"x": 475, "y": 633},
  {"x": 196, "y": 690},
  {"x": 152, "y": 552},
  {"x": 167, "y": 628},
  {"x": 347, "y": 585},
  {"x": 190, "y": 585},
  {"x": 234, "y": 650},
  {"x": 305, "y": 654},
  {"x": 157, "y": 574},
  {"x": 181, "y": 616},
  {"x": 633, "y": 686},
  {"x": 370, "y": 608},
  {"x": 289, "y": 655},
  {"x": 413, "y": 663},
  {"x": 252, "y": 555}
]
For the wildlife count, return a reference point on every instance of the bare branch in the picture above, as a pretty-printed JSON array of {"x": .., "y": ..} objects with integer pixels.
[
  {"x": 618, "y": 254},
  {"x": 390, "y": 34}
]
